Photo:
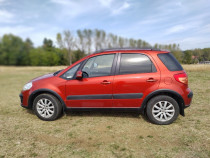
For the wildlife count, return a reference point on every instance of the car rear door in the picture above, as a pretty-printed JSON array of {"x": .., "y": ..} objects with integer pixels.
[{"x": 136, "y": 76}]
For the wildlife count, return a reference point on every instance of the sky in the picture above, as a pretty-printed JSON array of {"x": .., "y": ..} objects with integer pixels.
[{"x": 185, "y": 22}]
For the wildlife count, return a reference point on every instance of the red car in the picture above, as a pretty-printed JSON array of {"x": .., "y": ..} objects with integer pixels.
[{"x": 148, "y": 81}]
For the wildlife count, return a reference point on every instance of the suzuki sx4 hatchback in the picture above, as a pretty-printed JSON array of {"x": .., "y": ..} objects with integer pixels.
[{"x": 148, "y": 81}]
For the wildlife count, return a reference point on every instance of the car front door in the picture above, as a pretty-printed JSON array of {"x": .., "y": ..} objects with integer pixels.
[
  {"x": 94, "y": 90},
  {"x": 136, "y": 76}
]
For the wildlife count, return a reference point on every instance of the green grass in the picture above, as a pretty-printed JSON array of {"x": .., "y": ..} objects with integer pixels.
[{"x": 95, "y": 134}]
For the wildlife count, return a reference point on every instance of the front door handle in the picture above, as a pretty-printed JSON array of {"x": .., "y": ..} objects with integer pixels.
[
  {"x": 151, "y": 80},
  {"x": 105, "y": 82}
]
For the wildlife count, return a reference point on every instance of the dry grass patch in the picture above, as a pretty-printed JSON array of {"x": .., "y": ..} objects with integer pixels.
[{"x": 197, "y": 67}]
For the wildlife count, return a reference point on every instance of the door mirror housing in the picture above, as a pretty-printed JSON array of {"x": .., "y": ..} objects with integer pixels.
[{"x": 79, "y": 75}]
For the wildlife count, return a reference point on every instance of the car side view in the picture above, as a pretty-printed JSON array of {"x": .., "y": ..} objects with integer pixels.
[{"x": 140, "y": 80}]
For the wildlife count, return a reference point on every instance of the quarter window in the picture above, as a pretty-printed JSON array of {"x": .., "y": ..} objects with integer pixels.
[
  {"x": 70, "y": 73},
  {"x": 136, "y": 63},
  {"x": 98, "y": 66},
  {"x": 170, "y": 62}
]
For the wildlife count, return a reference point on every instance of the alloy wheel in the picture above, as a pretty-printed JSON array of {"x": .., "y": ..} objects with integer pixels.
[
  {"x": 45, "y": 108},
  {"x": 163, "y": 111}
]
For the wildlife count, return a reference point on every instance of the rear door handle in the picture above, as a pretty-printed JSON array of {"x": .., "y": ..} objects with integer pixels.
[
  {"x": 151, "y": 80},
  {"x": 105, "y": 82}
]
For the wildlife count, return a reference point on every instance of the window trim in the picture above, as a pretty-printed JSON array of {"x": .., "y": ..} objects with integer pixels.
[
  {"x": 117, "y": 72},
  {"x": 112, "y": 73}
]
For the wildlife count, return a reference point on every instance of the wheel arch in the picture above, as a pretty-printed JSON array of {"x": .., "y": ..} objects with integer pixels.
[
  {"x": 48, "y": 91},
  {"x": 167, "y": 92}
]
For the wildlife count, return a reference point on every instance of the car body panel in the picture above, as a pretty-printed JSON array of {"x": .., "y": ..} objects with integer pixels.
[
  {"x": 134, "y": 83},
  {"x": 90, "y": 87}
]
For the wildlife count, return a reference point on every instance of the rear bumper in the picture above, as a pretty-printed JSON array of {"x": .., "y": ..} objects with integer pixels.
[
  {"x": 189, "y": 96},
  {"x": 186, "y": 106}
]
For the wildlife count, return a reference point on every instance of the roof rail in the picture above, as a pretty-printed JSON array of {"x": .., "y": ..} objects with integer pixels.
[{"x": 116, "y": 49}]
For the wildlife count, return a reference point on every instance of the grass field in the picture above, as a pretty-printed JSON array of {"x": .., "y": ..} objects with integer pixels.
[{"x": 94, "y": 134}]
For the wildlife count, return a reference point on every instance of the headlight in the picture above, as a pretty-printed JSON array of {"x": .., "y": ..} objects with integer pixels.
[{"x": 27, "y": 86}]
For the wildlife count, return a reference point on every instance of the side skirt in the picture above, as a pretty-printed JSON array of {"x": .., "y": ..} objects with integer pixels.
[{"x": 137, "y": 110}]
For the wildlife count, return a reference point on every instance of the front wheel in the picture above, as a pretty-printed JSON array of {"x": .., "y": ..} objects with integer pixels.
[
  {"x": 47, "y": 107},
  {"x": 162, "y": 110}
]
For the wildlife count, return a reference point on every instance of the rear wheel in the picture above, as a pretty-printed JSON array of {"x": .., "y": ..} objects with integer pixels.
[
  {"x": 162, "y": 110},
  {"x": 47, "y": 107}
]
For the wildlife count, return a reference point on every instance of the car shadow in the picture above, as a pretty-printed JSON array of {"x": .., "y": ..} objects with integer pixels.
[
  {"x": 104, "y": 114},
  {"x": 123, "y": 114}
]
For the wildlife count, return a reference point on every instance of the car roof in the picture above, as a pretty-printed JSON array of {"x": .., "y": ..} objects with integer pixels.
[{"x": 129, "y": 49}]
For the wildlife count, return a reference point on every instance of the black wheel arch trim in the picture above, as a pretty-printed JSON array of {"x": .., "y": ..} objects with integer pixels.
[
  {"x": 165, "y": 91},
  {"x": 44, "y": 90}
]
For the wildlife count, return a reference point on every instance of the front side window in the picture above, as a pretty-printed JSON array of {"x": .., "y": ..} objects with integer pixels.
[
  {"x": 136, "y": 63},
  {"x": 70, "y": 73},
  {"x": 98, "y": 66}
]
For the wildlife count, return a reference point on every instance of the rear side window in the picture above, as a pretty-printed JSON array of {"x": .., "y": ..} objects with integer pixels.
[
  {"x": 136, "y": 63},
  {"x": 170, "y": 62}
]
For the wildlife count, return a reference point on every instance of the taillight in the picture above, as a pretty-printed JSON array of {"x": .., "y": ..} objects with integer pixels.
[{"x": 182, "y": 78}]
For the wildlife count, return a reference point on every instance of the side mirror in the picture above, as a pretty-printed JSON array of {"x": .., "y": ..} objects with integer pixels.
[{"x": 79, "y": 75}]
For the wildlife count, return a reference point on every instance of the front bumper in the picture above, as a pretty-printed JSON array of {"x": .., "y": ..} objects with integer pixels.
[
  {"x": 21, "y": 98},
  {"x": 21, "y": 101},
  {"x": 190, "y": 95}
]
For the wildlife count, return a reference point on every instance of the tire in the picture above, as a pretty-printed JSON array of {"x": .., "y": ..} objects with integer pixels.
[
  {"x": 162, "y": 110},
  {"x": 47, "y": 107}
]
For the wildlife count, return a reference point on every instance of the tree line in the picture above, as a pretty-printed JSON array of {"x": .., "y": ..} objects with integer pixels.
[
  {"x": 196, "y": 56},
  {"x": 71, "y": 47}
]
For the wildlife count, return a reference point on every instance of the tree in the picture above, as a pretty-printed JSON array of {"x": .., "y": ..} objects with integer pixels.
[
  {"x": 77, "y": 55},
  {"x": 206, "y": 54},
  {"x": 121, "y": 42},
  {"x": 28, "y": 46},
  {"x": 145, "y": 44},
  {"x": 187, "y": 59},
  {"x": 113, "y": 41},
  {"x": 43, "y": 57},
  {"x": 47, "y": 44},
  {"x": 12, "y": 50},
  {"x": 67, "y": 43},
  {"x": 81, "y": 40},
  {"x": 139, "y": 43},
  {"x": 178, "y": 55},
  {"x": 132, "y": 43},
  {"x": 88, "y": 35},
  {"x": 97, "y": 38},
  {"x": 1, "y": 54}
]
